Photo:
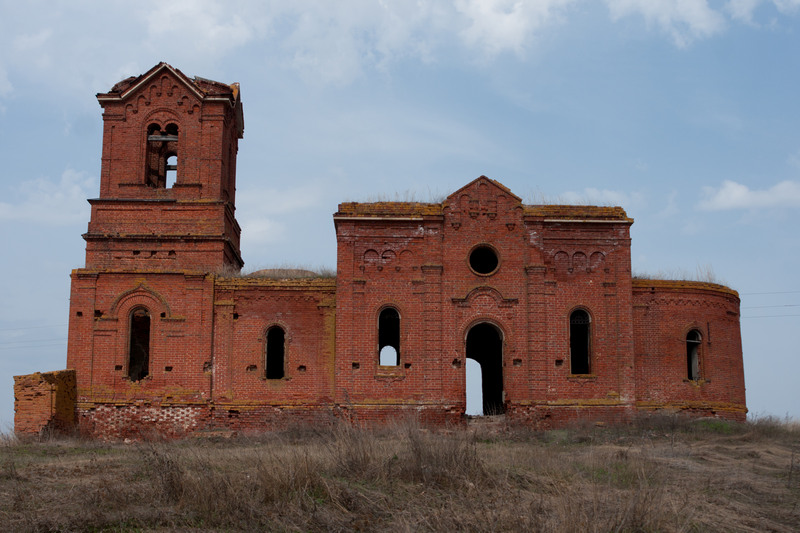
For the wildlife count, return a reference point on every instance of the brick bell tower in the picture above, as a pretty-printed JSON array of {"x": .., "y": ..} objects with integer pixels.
[
  {"x": 168, "y": 177},
  {"x": 142, "y": 308}
]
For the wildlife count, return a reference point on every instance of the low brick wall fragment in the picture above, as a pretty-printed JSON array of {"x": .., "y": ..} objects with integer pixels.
[{"x": 44, "y": 402}]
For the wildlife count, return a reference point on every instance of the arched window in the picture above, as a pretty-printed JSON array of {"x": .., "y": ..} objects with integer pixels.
[
  {"x": 389, "y": 337},
  {"x": 275, "y": 353},
  {"x": 580, "y": 342},
  {"x": 139, "y": 348},
  {"x": 693, "y": 341},
  {"x": 171, "y": 170},
  {"x": 162, "y": 155}
]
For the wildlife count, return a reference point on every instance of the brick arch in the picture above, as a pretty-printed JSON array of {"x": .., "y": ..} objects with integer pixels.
[
  {"x": 371, "y": 256},
  {"x": 580, "y": 307},
  {"x": 143, "y": 296},
  {"x": 287, "y": 330},
  {"x": 140, "y": 297},
  {"x": 490, "y": 353},
  {"x": 483, "y": 319},
  {"x": 597, "y": 260},
  {"x": 162, "y": 116},
  {"x": 485, "y": 290},
  {"x": 690, "y": 327}
]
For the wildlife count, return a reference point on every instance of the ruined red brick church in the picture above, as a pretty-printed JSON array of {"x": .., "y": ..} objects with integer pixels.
[{"x": 165, "y": 335}]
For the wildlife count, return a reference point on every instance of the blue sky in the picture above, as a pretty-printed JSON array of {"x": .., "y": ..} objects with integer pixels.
[{"x": 684, "y": 112}]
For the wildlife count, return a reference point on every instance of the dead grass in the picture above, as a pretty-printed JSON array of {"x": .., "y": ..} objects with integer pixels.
[
  {"x": 702, "y": 273},
  {"x": 660, "y": 474}
]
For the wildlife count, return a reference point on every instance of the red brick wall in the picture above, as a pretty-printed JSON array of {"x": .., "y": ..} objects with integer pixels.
[
  {"x": 664, "y": 312},
  {"x": 416, "y": 258},
  {"x": 245, "y": 309},
  {"x": 181, "y": 310}
]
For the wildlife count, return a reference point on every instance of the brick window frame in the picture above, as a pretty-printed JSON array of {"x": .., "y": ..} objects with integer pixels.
[
  {"x": 140, "y": 342},
  {"x": 694, "y": 354},
  {"x": 389, "y": 334},
  {"x": 580, "y": 330},
  {"x": 276, "y": 341}
]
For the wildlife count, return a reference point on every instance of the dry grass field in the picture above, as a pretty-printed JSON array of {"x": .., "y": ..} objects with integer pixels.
[{"x": 660, "y": 474}]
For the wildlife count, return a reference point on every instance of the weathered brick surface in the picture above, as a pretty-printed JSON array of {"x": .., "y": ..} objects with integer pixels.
[
  {"x": 174, "y": 251},
  {"x": 664, "y": 313},
  {"x": 44, "y": 402}
]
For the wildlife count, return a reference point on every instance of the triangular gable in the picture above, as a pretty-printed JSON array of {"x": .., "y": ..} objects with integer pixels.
[
  {"x": 477, "y": 182},
  {"x": 130, "y": 86},
  {"x": 145, "y": 78}
]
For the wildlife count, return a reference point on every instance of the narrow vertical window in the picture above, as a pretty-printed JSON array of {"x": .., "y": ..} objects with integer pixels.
[
  {"x": 139, "y": 349},
  {"x": 275, "y": 356},
  {"x": 579, "y": 341},
  {"x": 693, "y": 340},
  {"x": 389, "y": 337},
  {"x": 162, "y": 155},
  {"x": 172, "y": 170}
]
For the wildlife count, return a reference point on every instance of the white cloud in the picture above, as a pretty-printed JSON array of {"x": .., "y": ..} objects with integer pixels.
[
  {"x": 32, "y": 41},
  {"x": 279, "y": 201},
  {"x": 732, "y": 195},
  {"x": 333, "y": 42},
  {"x": 787, "y": 6},
  {"x": 47, "y": 202},
  {"x": 506, "y": 25},
  {"x": 71, "y": 46},
  {"x": 683, "y": 20},
  {"x": 258, "y": 209},
  {"x": 593, "y": 196},
  {"x": 5, "y": 86},
  {"x": 671, "y": 208},
  {"x": 260, "y": 231},
  {"x": 206, "y": 26},
  {"x": 742, "y": 9}
]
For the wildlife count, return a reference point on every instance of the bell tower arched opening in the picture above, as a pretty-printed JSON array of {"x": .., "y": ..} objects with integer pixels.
[{"x": 485, "y": 346}]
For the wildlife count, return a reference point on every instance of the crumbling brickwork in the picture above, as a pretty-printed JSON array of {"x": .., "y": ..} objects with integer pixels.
[
  {"x": 44, "y": 403},
  {"x": 166, "y": 337}
]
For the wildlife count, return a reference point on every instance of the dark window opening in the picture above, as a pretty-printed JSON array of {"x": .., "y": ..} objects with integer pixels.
[
  {"x": 389, "y": 337},
  {"x": 693, "y": 340},
  {"x": 162, "y": 156},
  {"x": 139, "y": 351},
  {"x": 275, "y": 353},
  {"x": 485, "y": 346},
  {"x": 483, "y": 260},
  {"x": 579, "y": 340}
]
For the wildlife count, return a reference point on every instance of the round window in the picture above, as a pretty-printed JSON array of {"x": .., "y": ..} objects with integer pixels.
[{"x": 483, "y": 260}]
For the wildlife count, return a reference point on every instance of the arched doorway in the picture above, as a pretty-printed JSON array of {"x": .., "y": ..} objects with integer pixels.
[{"x": 485, "y": 346}]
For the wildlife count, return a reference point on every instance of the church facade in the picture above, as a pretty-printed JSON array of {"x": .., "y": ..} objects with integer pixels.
[{"x": 166, "y": 336}]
